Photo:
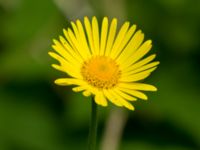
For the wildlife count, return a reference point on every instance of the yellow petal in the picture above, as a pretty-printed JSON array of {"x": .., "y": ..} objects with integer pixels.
[
  {"x": 104, "y": 31},
  {"x": 143, "y": 50},
  {"x": 57, "y": 67},
  {"x": 75, "y": 30},
  {"x": 100, "y": 99},
  {"x": 126, "y": 39},
  {"x": 68, "y": 37},
  {"x": 139, "y": 63},
  {"x": 122, "y": 101},
  {"x": 83, "y": 37},
  {"x": 78, "y": 88},
  {"x": 73, "y": 54},
  {"x": 111, "y": 36},
  {"x": 131, "y": 47},
  {"x": 138, "y": 86},
  {"x": 88, "y": 88},
  {"x": 87, "y": 93},
  {"x": 66, "y": 66},
  {"x": 80, "y": 42},
  {"x": 77, "y": 45},
  {"x": 137, "y": 76},
  {"x": 135, "y": 93},
  {"x": 119, "y": 38},
  {"x": 124, "y": 95},
  {"x": 111, "y": 98},
  {"x": 68, "y": 81},
  {"x": 89, "y": 34},
  {"x": 95, "y": 31},
  {"x": 143, "y": 68},
  {"x": 62, "y": 51},
  {"x": 70, "y": 71}
]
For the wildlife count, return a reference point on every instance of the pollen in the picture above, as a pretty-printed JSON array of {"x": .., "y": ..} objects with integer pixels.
[{"x": 101, "y": 72}]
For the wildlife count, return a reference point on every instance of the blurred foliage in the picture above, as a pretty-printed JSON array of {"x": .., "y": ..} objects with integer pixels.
[{"x": 35, "y": 114}]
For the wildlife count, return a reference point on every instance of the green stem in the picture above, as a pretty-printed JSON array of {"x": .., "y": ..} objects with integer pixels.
[{"x": 93, "y": 126}]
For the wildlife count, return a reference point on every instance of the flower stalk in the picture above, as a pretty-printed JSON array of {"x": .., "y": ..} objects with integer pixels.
[{"x": 93, "y": 126}]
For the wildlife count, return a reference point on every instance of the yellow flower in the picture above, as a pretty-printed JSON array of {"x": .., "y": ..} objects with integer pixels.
[{"x": 104, "y": 62}]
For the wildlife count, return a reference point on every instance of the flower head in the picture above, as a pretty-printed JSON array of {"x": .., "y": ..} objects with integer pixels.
[{"x": 102, "y": 62}]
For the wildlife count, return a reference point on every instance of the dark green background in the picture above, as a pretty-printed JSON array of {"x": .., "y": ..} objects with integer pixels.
[{"x": 35, "y": 114}]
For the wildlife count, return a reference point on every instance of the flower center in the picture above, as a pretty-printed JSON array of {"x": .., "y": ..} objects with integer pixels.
[{"x": 101, "y": 72}]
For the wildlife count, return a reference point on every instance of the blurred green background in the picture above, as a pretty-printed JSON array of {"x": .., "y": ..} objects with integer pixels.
[{"x": 35, "y": 114}]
